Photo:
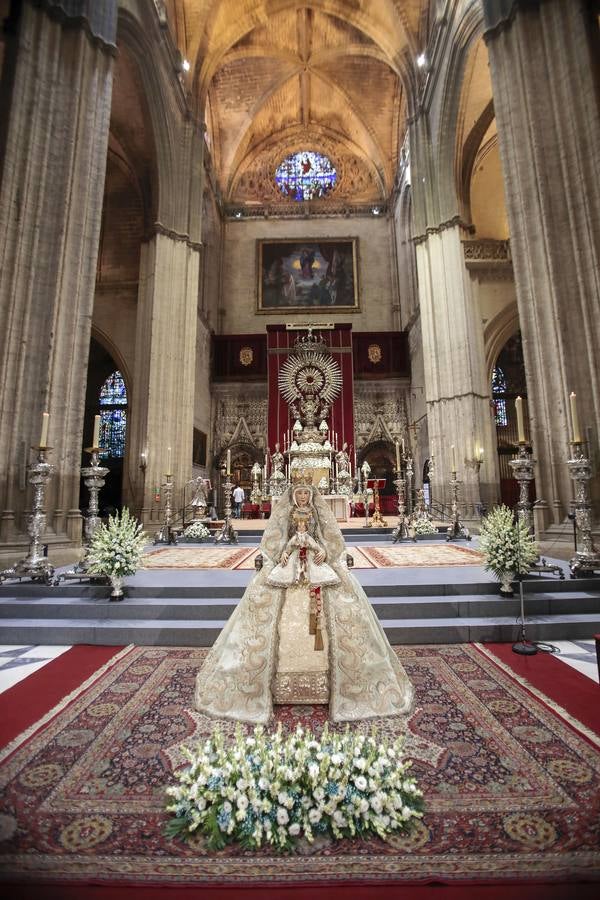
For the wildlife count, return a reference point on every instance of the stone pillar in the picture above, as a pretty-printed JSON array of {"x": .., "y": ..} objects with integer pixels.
[
  {"x": 55, "y": 145},
  {"x": 165, "y": 360},
  {"x": 457, "y": 393},
  {"x": 543, "y": 60}
]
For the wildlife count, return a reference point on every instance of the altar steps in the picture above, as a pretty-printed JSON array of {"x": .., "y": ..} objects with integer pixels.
[{"x": 193, "y": 615}]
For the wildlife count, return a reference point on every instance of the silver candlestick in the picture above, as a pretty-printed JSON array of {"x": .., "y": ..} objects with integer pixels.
[
  {"x": 93, "y": 478},
  {"x": 456, "y": 529},
  {"x": 256, "y": 494},
  {"x": 586, "y": 560},
  {"x": 227, "y": 534},
  {"x": 167, "y": 534},
  {"x": 409, "y": 482},
  {"x": 401, "y": 532},
  {"x": 35, "y": 565},
  {"x": 522, "y": 466}
]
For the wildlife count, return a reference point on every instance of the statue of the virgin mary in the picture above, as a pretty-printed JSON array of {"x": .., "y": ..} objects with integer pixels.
[{"x": 304, "y": 631}]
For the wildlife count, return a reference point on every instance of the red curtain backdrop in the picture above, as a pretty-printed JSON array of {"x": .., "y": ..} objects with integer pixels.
[{"x": 341, "y": 418}]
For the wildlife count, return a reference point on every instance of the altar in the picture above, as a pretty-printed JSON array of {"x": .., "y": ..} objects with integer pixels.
[{"x": 337, "y": 503}]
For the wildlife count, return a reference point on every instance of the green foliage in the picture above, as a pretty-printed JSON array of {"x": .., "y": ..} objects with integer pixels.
[
  {"x": 275, "y": 789},
  {"x": 118, "y": 546},
  {"x": 506, "y": 544}
]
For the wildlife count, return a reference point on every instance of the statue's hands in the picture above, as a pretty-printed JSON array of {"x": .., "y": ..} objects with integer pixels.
[
  {"x": 319, "y": 557},
  {"x": 284, "y": 558}
]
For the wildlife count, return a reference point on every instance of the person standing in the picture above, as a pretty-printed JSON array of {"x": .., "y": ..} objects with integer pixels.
[{"x": 238, "y": 498}]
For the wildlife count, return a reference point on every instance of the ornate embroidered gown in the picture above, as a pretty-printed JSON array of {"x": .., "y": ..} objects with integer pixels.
[{"x": 266, "y": 654}]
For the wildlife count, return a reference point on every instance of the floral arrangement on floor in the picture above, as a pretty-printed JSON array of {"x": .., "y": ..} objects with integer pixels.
[
  {"x": 424, "y": 525},
  {"x": 275, "y": 789},
  {"x": 116, "y": 548},
  {"x": 196, "y": 532},
  {"x": 506, "y": 545}
]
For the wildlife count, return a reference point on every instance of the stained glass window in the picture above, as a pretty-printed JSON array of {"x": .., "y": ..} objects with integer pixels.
[
  {"x": 113, "y": 416},
  {"x": 499, "y": 387},
  {"x": 306, "y": 176}
]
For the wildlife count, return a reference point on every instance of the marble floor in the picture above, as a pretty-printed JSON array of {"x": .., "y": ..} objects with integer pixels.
[{"x": 17, "y": 662}]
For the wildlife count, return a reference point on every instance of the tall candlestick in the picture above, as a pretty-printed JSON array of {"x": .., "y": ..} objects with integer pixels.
[
  {"x": 44, "y": 434},
  {"x": 575, "y": 432},
  {"x": 168, "y": 472},
  {"x": 402, "y": 446},
  {"x": 96, "y": 438},
  {"x": 453, "y": 451},
  {"x": 228, "y": 469},
  {"x": 397, "y": 456},
  {"x": 520, "y": 426}
]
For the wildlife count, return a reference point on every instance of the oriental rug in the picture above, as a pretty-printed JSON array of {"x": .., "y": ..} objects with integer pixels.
[
  {"x": 198, "y": 558},
  {"x": 360, "y": 560},
  {"x": 423, "y": 555},
  {"x": 511, "y": 784}
]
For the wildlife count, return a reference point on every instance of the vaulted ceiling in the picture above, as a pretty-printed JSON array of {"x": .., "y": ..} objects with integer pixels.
[{"x": 275, "y": 77}]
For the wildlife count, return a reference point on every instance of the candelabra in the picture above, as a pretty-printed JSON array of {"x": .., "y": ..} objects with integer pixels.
[
  {"x": 166, "y": 533},
  {"x": 456, "y": 529},
  {"x": 586, "y": 560},
  {"x": 35, "y": 565},
  {"x": 401, "y": 532},
  {"x": 256, "y": 493},
  {"x": 366, "y": 471},
  {"x": 377, "y": 521},
  {"x": 93, "y": 478},
  {"x": 522, "y": 466},
  {"x": 227, "y": 534},
  {"x": 409, "y": 482}
]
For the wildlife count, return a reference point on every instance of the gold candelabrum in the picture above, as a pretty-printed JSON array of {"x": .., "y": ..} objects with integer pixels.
[
  {"x": 586, "y": 560},
  {"x": 94, "y": 479},
  {"x": 35, "y": 565},
  {"x": 377, "y": 520},
  {"x": 227, "y": 534},
  {"x": 401, "y": 531},
  {"x": 166, "y": 534},
  {"x": 456, "y": 529}
]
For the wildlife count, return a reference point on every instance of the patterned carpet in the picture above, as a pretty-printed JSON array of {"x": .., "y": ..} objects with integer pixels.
[
  {"x": 511, "y": 789},
  {"x": 364, "y": 557}
]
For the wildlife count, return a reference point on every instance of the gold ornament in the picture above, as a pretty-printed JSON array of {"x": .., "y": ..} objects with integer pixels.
[
  {"x": 374, "y": 353},
  {"x": 246, "y": 356}
]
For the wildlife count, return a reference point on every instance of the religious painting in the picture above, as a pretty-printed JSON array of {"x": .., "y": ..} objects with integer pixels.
[{"x": 300, "y": 276}]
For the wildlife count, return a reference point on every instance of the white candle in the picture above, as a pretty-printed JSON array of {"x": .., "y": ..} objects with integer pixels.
[
  {"x": 402, "y": 446},
  {"x": 96, "y": 438},
  {"x": 168, "y": 472},
  {"x": 228, "y": 462},
  {"x": 520, "y": 426},
  {"x": 575, "y": 432},
  {"x": 44, "y": 434},
  {"x": 453, "y": 451},
  {"x": 397, "y": 456}
]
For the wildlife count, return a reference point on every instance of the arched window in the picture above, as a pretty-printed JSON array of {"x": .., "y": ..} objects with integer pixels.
[
  {"x": 113, "y": 416},
  {"x": 306, "y": 176},
  {"x": 499, "y": 391}
]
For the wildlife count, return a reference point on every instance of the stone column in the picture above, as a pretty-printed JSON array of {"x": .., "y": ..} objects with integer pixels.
[
  {"x": 165, "y": 361},
  {"x": 457, "y": 393},
  {"x": 543, "y": 60},
  {"x": 55, "y": 147}
]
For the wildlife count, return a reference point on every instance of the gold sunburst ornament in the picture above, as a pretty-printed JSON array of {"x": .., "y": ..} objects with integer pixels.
[{"x": 310, "y": 374}]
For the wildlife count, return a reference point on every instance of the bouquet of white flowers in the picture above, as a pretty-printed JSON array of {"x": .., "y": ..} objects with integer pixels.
[
  {"x": 424, "y": 525},
  {"x": 506, "y": 545},
  {"x": 196, "y": 532},
  {"x": 117, "y": 547},
  {"x": 273, "y": 789}
]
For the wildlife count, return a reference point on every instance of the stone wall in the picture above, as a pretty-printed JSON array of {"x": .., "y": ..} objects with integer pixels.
[{"x": 375, "y": 260}]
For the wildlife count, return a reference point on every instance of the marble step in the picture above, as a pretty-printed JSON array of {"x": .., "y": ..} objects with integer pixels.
[{"x": 203, "y": 632}]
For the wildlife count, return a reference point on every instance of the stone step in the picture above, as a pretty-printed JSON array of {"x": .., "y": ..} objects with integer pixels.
[{"x": 203, "y": 632}]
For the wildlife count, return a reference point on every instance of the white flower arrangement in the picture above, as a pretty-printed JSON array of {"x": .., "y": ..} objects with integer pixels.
[
  {"x": 274, "y": 789},
  {"x": 196, "y": 532},
  {"x": 117, "y": 547},
  {"x": 506, "y": 545},
  {"x": 424, "y": 525}
]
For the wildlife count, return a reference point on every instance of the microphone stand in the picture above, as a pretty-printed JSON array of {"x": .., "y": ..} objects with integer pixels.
[{"x": 523, "y": 647}]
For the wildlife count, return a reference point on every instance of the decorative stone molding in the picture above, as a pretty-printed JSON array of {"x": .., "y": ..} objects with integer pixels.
[
  {"x": 443, "y": 226},
  {"x": 486, "y": 250},
  {"x": 98, "y": 18},
  {"x": 157, "y": 228},
  {"x": 311, "y": 209},
  {"x": 379, "y": 412},
  {"x": 239, "y": 415}
]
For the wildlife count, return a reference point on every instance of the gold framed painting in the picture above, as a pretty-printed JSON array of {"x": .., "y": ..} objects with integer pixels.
[{"x": 308, "y": 275}]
